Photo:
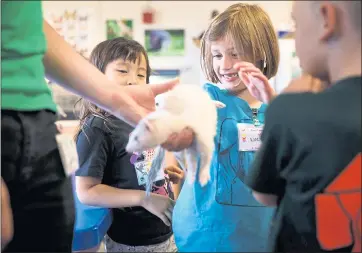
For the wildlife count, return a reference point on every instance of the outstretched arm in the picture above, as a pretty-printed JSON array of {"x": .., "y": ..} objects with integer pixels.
[{"x": 66, "y": 67}]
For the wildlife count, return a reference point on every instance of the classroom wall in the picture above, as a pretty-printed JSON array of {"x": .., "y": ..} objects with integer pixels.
[{"x": 192, "y": 16}]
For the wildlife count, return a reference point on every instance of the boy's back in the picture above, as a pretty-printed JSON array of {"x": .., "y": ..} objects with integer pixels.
[{"x": 319, "y": 136}]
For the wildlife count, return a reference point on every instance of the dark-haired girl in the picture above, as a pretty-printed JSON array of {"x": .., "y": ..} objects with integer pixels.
[{"x": 109, "y": 176}]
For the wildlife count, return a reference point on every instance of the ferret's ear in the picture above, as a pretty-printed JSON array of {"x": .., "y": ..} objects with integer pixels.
[
  {"x": 148, "y": 125},
  {"x": 219, "y": 104}
]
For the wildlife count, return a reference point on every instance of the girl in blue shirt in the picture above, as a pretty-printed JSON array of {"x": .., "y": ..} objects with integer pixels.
[{"x": 223, "y": 216}]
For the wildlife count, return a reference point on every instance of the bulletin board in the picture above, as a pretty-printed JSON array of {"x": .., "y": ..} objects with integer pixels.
[{"x": 73, "y": 26}]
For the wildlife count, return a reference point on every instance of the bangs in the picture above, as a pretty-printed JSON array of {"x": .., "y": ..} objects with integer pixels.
[
  {"x": 119, "y": 48},
  {"x": 130, "y": 54},
  {"x": 249, "y": 29}
]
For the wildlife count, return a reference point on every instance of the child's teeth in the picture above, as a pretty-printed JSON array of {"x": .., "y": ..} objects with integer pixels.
[{"x": 230, "y": 75}]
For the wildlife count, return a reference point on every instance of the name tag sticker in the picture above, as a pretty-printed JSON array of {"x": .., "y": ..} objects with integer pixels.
[
  {"x": 68, "y": 153},
  {"x": 249, "y": 136}
]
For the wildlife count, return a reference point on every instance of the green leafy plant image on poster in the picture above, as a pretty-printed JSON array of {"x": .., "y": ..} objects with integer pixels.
[
  {"x": 165, "y": 42},
  {"x": 119, "y": 28}
]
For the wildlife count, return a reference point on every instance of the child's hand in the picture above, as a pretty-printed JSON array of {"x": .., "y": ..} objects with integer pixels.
[
  {"x": 161, "y": 206},
  {"x": 256, "y": 82},
  {"x": 174, "y": 173}
]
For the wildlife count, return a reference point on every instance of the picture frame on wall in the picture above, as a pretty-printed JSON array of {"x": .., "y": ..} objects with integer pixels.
[
  {"x": 160, "y": 42},
  {"x": 73, "y": 25},
  {"x": 119, "y": 28}
]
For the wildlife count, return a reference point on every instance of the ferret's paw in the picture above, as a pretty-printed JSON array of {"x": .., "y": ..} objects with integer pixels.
[{"x": 204, "y": 177}]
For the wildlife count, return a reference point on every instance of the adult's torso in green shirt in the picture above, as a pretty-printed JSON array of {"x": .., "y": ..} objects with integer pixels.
[{"x": 22, "y": 50}]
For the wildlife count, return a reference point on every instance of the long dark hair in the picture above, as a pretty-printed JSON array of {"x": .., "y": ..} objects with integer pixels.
[{"x": 103, "y": 54}]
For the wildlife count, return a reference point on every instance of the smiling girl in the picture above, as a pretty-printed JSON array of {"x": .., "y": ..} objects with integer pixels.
[{"x": 223, "y": 216}]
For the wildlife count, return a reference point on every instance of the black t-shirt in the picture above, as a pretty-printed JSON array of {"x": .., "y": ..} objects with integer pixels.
[
  {"x": 309, "y": 140},
  {"x": 101, "y": 150}
]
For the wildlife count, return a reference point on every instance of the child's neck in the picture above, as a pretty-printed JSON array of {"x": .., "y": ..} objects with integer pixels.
[
  {"x": 252, "y": 101},
  {"x": 344, "y": 65}
]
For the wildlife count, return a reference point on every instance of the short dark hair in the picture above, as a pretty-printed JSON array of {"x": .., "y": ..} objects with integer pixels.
[
  {"x": 118, "y": 48},
  {"x": 104, "y": 53}
]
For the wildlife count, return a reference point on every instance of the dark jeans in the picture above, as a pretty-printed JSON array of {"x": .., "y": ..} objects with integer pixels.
[{"x": 40, "y": 193}]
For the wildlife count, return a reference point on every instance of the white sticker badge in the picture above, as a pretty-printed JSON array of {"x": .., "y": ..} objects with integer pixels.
[{"x": 249, "y": 136}]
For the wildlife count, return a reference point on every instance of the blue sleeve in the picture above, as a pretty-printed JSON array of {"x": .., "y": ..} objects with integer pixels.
[{"x": 94, "y": 148}]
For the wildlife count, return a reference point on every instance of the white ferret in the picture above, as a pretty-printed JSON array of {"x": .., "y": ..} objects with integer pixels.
[{"x": 184, "y": 106}]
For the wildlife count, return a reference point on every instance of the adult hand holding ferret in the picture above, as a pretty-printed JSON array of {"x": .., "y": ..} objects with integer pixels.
[{"x": 179, "y": 141}]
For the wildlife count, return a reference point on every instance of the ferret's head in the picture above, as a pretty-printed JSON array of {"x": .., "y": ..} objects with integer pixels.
[
  {"x": 145, "y": 136},
  {"x": 169, "y": 102}
]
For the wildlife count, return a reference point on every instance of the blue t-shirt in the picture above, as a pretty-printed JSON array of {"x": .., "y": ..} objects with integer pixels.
[{"x": 223, "y": 216}]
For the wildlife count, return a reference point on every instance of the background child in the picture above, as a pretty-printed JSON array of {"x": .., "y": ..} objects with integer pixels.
[
  {"x": 309, "y": 164},
  {"x": 223, "y": 215},
  {"x": 110, "y": 177}
]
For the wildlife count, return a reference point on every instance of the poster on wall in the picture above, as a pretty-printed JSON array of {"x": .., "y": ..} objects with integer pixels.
[
  {"x": 119, "y": 28},
  {"x": 73, "y": 26},
  {"x": 165, "y": 42}
]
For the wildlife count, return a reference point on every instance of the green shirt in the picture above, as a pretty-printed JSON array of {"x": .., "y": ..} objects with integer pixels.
[{"x": 22, "y": 50}]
